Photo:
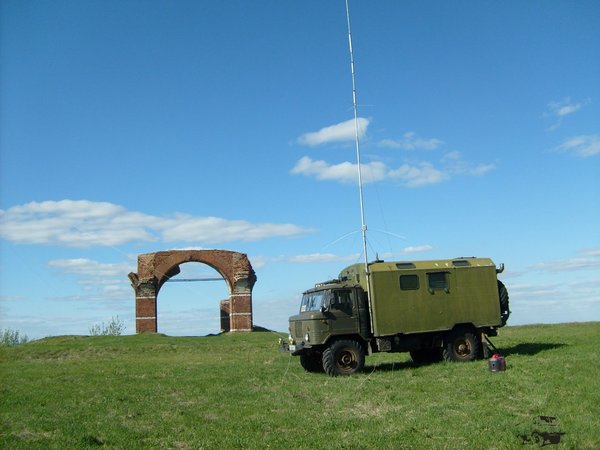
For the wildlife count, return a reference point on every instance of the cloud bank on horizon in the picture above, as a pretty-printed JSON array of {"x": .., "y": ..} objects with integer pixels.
[{"x": 84, "y": 223}]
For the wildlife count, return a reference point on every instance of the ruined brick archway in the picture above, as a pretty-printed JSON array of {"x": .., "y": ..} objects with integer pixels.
[{"x": 154, "y": 269}]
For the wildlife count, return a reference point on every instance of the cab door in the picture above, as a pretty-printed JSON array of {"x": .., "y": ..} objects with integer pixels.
[{"x": 342, "y": 315}]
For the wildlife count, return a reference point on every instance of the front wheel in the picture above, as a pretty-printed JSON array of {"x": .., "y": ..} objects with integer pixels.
[
  {"x": 461, "y": 346},
  {"x": 343, "y": 357}
]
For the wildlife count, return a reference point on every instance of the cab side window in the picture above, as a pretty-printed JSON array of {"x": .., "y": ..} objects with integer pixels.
[{"x": 343, "y": 301}]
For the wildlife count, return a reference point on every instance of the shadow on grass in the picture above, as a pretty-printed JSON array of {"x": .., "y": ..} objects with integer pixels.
[
  {"x": 530, "y": 348},
  {"x": 255, "y": 329},
  {"x": 391, "y": 367},
  {"x": 527, "y": 349}
]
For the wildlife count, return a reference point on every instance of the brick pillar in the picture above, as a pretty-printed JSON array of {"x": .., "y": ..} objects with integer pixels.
[
  {"x": 225, "y": 307},
  {"x": 145, "y": 303},
  {"x": 145, "y": 315},
  {"x": 241, "y": 312}
]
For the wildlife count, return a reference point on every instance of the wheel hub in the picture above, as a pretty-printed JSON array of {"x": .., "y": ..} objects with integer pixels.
[
  {"x": 346, "y": 360},
  {"x": 463, "y": 348}
]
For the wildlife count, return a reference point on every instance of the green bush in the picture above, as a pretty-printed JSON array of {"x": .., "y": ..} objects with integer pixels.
[
  {"x": 11, "y": 338},
  {"x": 115, "y": 327}
]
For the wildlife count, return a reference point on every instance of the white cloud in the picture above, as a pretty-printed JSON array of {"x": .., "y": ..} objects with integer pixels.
[
  {"x": 74, "y": 223},
  {"x": 417, "y": 249},
  {"x": 409, "y": 175},
  {"x": 582, "y": 146},
  {"x": 456, "y": 165},
  {"x": 215, "y": 230},
  {"x": 563, "y": 108},
  {"x": 341, "y": 132},
  {"x": 331, "y": 257},
  {"x": 12, "y": 298},
  {"x": 419, "y": 175},
  {"x": 410, "y": 141},
  {"x": 83, "y": 223},
  {"x": 559, "y": 110},
  {"x": 344, "y": 172},
  {"x": 589, "y": 260},
  {"x": 83, "y": 266},
  {"x": 99, "y": 282}
]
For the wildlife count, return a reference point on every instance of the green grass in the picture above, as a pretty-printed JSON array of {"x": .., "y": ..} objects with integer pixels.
[{"x": 238, "y": 391}]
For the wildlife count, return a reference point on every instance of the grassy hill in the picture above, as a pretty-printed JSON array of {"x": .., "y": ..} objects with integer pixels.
[{"x": 238, "y": 391}]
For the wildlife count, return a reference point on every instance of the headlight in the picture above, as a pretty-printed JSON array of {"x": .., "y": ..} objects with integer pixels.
[{"x": 306, "y": 337}]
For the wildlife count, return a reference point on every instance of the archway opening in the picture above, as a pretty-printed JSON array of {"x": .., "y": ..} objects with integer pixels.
[{"x": 188, "y": 304}]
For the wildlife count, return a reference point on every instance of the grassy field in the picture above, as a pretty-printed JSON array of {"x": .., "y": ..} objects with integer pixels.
[{"x": 238, "y": 391}]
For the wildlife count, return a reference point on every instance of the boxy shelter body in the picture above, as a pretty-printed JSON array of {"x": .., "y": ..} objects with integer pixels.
[{"x": 421, "y": 296}]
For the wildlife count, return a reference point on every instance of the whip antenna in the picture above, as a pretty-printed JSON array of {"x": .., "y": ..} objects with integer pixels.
[{"x": 357, "y": 140}]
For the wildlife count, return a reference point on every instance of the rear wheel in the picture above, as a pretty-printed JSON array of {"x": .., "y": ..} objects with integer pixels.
[
  {"x": 343, "y": 357},
  {"x": 460, "y": 346}
]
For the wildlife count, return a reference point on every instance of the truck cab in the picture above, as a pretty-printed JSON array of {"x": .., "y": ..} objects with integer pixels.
[{"x": 331, "y": 309}]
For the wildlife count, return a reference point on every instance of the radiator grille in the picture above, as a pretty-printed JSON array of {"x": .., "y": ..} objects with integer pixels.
[{"x": 298, "y": 330}]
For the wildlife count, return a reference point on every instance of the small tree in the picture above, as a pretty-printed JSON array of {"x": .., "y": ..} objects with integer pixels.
[
  {"x": 10, "y": 338},
  {"x": 115, "y": 327}
]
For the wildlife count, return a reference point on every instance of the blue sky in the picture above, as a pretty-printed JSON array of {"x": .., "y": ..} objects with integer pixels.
[{"x": 129, "y": 127}]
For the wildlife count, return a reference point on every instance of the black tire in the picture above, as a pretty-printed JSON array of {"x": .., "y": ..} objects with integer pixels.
[
  {"x": 461, "y": 346},
  {"x": 312, "y": 362},
  {"x": 426, "y": 355},
  {"x": 504, "y": 310},
  {"x": 343, "y": 357}
]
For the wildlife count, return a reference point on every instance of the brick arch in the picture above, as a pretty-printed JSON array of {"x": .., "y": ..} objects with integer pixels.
[{"x": 154, "y": 269}]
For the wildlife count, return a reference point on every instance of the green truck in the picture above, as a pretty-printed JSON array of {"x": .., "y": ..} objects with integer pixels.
[{"x": 436, "y": 310}]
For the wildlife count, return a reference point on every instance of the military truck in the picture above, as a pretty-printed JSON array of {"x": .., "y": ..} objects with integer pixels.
[{"x": 436, "y": 310}]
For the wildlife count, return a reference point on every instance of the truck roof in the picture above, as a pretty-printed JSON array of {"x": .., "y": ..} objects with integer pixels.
[
  {"x": 431, "y": 264},
  {"x": 350, "y": 276},
  {"x": 438, "y": 264}
]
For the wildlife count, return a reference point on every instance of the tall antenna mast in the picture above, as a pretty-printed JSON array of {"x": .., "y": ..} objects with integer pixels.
[
  {"x": 360, "y": 188},
  {"x": 357, "y": 140}
]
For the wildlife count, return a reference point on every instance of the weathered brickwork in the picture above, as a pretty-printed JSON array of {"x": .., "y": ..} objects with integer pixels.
[
  {"x": 225, "y": 319},
  {"x": 154, "y": 269},
  {"x": 145, "y": 307}
]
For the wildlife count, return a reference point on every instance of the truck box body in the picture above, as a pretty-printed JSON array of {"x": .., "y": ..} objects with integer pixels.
[{"x": 423, "y": 296}]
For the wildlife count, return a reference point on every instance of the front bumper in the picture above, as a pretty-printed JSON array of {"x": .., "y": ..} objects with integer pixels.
[{"x": 292, "y": 348}]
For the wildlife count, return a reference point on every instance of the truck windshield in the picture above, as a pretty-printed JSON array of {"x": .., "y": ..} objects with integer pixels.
[{"x": 313, "y": 301}]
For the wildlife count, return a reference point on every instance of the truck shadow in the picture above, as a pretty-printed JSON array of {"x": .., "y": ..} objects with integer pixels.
[
  {"x": 530, "y": 348},
  {"x": 390, "y": 367},
  {"x": 527, "y": 349}
]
